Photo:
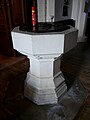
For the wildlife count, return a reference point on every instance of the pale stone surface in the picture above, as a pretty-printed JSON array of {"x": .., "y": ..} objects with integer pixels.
[
  {"x": 30, "y": 43},
  {"x": 44, "y": 91},
  {"x": 69, "y": 105},
  {"x": 44, "y": 83},
  {"x": 45, "y": 66}
]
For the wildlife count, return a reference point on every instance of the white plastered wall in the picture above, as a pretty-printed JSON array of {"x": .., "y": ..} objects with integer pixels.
[
  {"x": 50, "y": 10},
  {"x": 59, "y": 10},
  {"x": 79, "y": 16},
  {"x": 45, "y": 15}
]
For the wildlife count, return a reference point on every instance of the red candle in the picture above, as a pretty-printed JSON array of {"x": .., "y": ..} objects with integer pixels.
[{"x": 33, "y": 16}]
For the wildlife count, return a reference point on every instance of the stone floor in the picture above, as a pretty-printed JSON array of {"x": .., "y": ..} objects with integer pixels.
[
  {"x": 84, "y": 113},
  {"x": 76, "y": 64},
  {"x": 66, "y": 108}
]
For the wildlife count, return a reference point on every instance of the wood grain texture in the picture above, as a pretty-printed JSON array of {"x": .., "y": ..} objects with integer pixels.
[{"x": 12, "y": 71}]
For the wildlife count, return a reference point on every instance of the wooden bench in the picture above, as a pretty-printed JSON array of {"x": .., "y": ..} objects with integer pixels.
[{"x": 13, "y": 71}]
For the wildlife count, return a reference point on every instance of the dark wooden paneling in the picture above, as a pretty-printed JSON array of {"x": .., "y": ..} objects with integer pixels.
[
  {"x": 11, "y": 15},
  {"x": 6, "y": 46},
  {"x": 17, "y": 12}
]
